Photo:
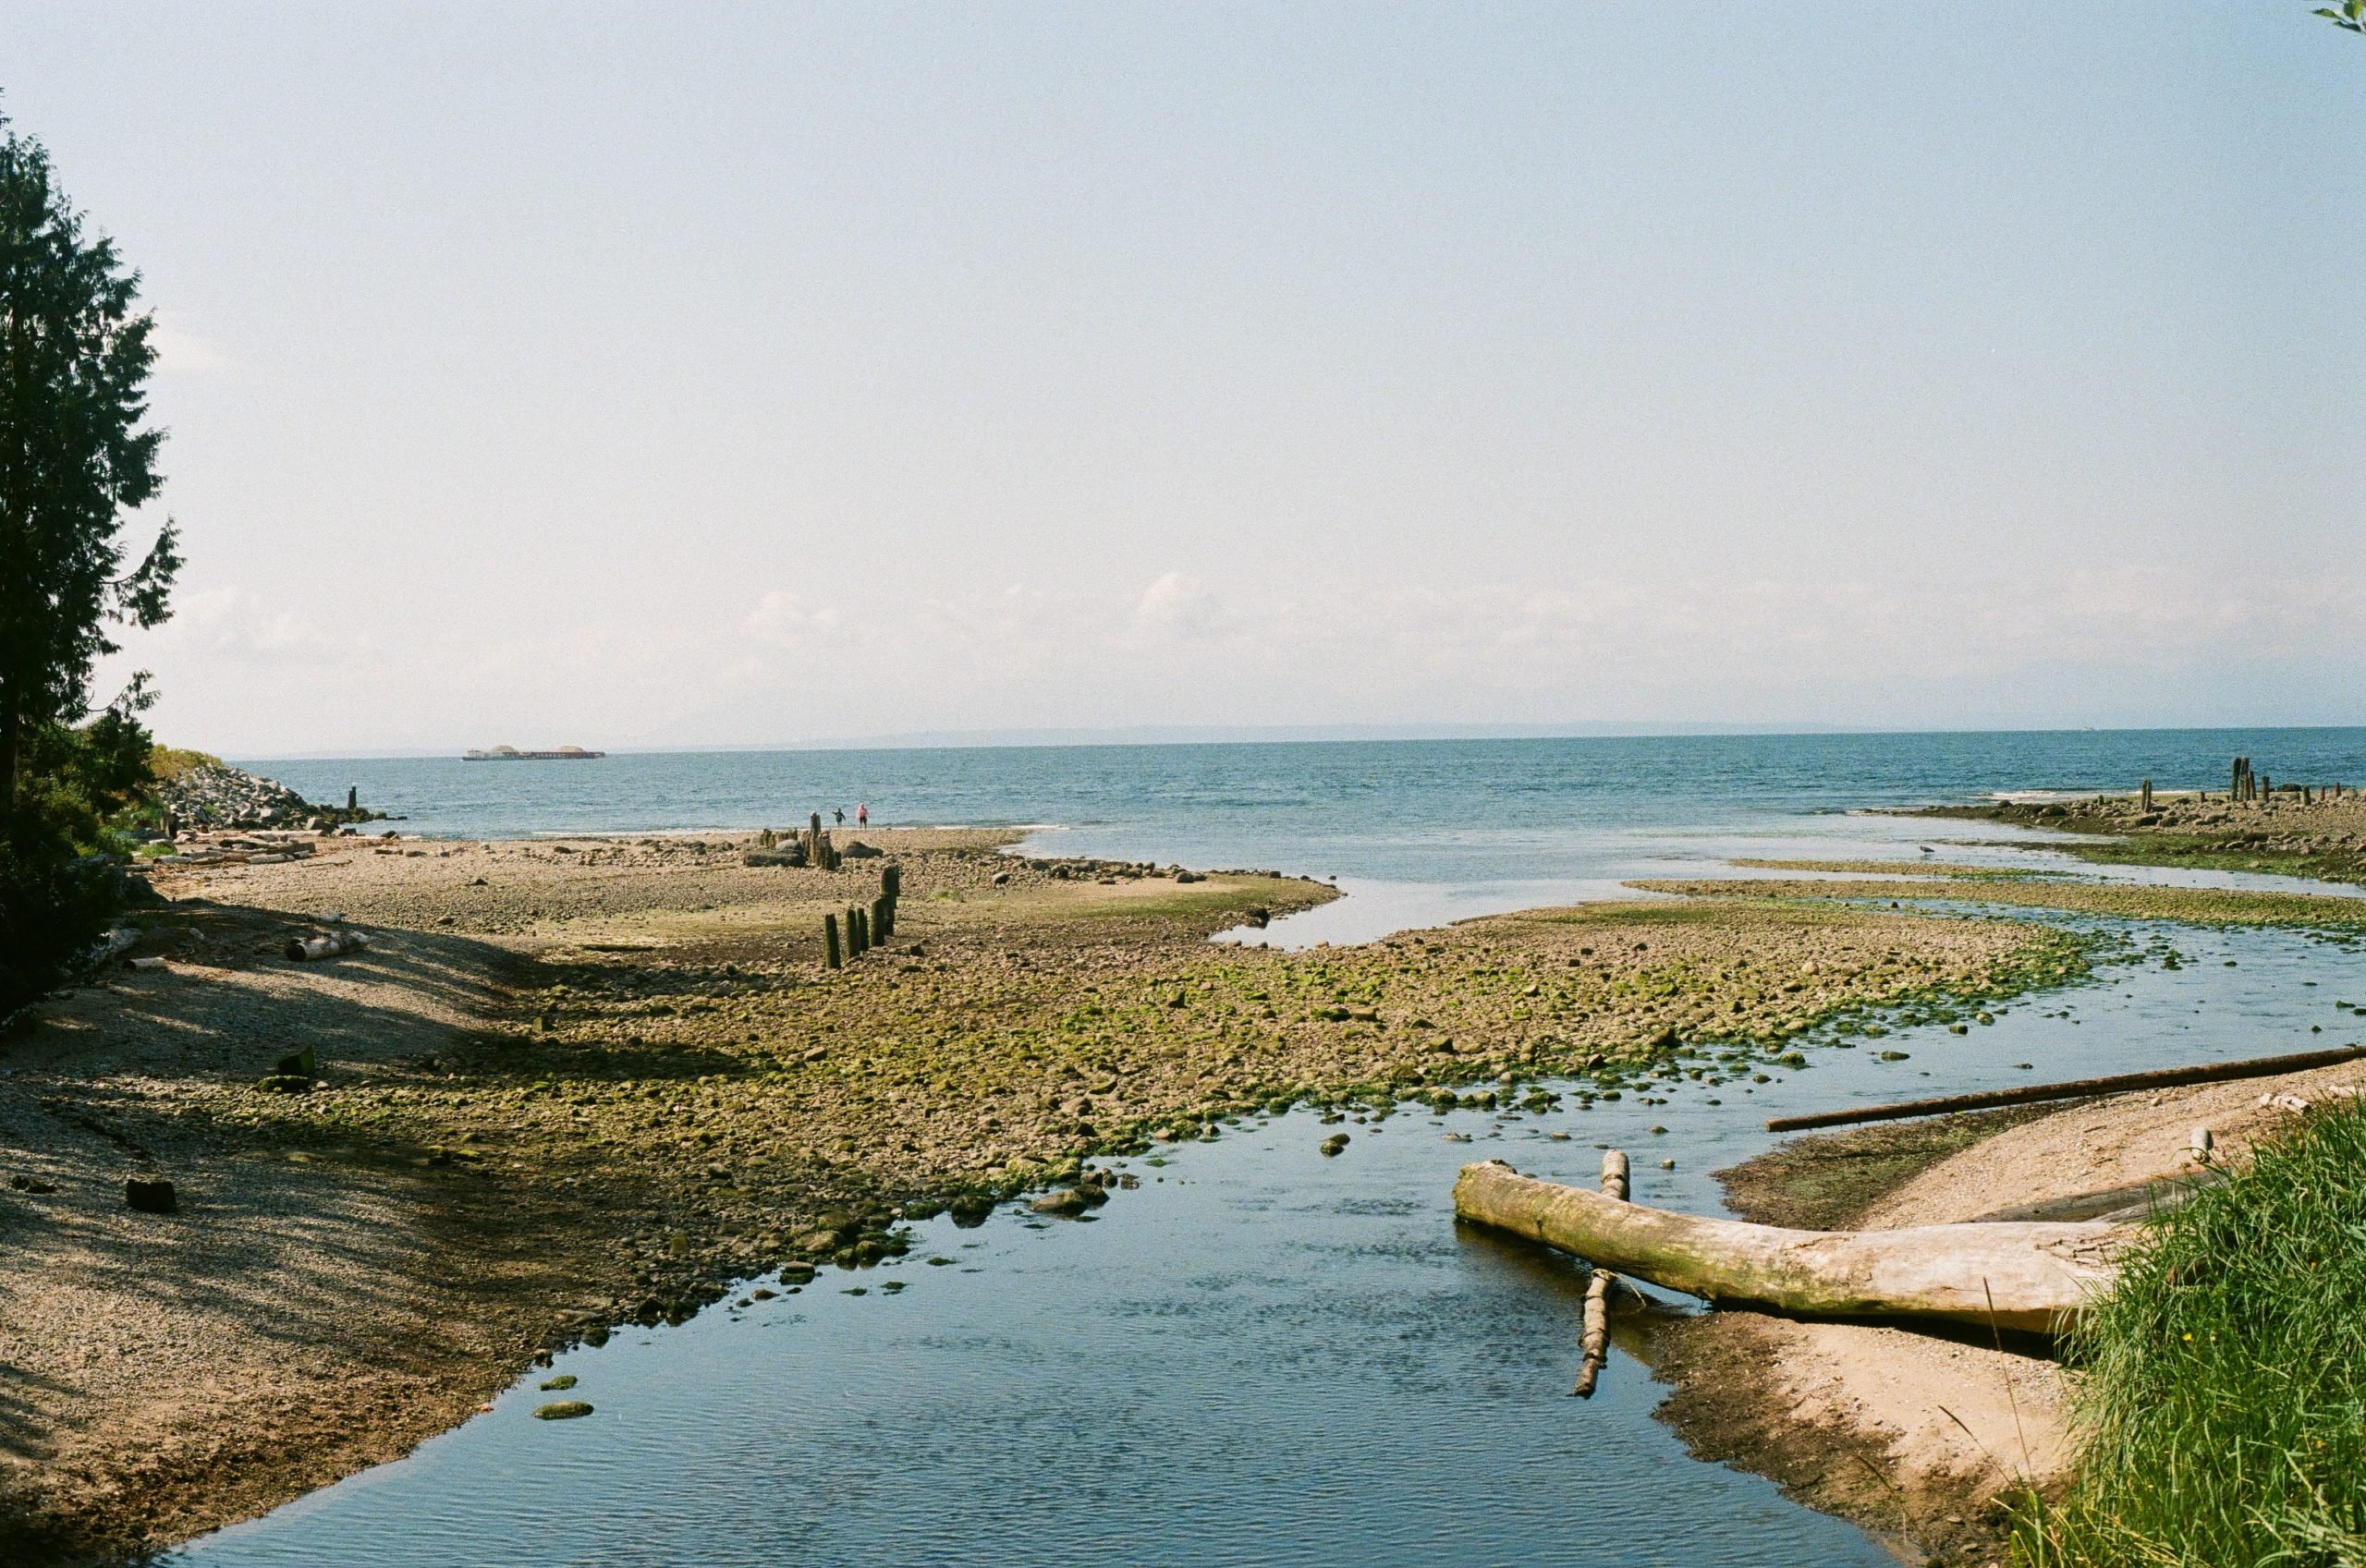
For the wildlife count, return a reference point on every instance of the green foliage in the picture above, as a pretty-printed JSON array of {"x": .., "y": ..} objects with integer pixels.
[
  {"x": 2350, "y": 14},
  {"x": 75, "y": 459},
  {"x": 58, "y": 885},
  {"x": 167, "y": 764},
  {"x": 2224, "y": 1396}
]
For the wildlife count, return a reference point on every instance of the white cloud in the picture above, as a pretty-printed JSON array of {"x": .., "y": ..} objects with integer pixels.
[
  {"x": 2106, "y": 644},
  {"x": 180, "y": 352},
  {"x": 1178, "y": 605}
]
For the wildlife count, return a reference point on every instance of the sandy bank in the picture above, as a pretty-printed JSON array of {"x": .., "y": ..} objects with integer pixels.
[{"x": 1918, "y": 1434}]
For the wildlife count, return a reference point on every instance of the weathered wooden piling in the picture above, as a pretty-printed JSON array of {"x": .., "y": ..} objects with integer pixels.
[
  {"x": 1595, "y": 1341},
  {"x": 2145, "y": 796},
  {"x": 830, "y": 959}
]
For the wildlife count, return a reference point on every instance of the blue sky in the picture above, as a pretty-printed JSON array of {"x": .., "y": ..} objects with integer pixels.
[{"x": 740, "y": 375}]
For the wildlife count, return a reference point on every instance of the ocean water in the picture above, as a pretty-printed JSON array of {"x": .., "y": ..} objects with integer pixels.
[{"x": 1416, "y": 833}]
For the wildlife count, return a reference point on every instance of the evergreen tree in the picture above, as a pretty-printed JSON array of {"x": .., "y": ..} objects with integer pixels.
[{"x": 75, "y": 459}]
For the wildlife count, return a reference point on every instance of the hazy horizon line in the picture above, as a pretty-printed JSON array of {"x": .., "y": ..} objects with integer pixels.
[{"x": 1304, "y": 734}]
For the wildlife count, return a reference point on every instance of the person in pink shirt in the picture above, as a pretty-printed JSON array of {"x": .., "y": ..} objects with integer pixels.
[{"x": 862, "y": 815}]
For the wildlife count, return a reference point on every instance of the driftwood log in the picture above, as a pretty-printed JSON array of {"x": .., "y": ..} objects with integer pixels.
[
  {"x": 2025, "y": 1275},
  {"x": 328, "y": 945},
  {"x": 2077, "y": 1088},
  {"x": 1595, "y": 1341}
]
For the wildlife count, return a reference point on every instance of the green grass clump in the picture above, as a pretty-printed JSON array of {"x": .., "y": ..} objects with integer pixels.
[
  {"x": 2223, "y": 1404},
  {"x": 168, "y": 764}
]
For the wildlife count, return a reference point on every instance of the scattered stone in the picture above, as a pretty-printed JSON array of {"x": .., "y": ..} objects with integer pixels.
[
  {"x": 561, "y": 1410},
  {"x": 1333, "y": 1144},
  {"x": 554, "y": 1385}
]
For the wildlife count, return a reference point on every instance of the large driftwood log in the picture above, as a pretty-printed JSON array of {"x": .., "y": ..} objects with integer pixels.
[
  {"x": 2026, "y": 1275},
  {"x": 330, "y": 944},
  {"x": 2077, "y": 1088}
]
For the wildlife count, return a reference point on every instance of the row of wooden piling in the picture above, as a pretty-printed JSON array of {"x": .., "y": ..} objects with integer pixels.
[
  {"x": 2243, "y": 784},
  {"x": 866, "y": 925}
]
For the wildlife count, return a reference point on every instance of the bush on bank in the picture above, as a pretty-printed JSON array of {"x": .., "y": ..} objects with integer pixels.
[
  {"x": 60, "y": 882},
  {"x": 2222, "y": 1394}
]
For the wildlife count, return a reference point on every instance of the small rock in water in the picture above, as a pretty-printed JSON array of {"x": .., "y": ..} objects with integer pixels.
[
  {"x": 564, "y": 1380},
  {"x": 561, "y": 1410},
  {"x": 1333, "y": 1144}
]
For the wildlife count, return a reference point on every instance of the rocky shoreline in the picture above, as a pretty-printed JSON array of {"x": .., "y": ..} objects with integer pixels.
[
  {"x": 212, "y": 796},
  {"x": 2316, "y": 832}
]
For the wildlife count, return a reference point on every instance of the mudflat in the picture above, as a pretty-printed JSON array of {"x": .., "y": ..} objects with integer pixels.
[{"x": 571, "y": 1084}]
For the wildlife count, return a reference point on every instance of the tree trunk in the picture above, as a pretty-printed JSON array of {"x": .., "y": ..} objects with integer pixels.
[
  {"x": 11, "y": 724},
  {"x": 2027, "y": 1275}
]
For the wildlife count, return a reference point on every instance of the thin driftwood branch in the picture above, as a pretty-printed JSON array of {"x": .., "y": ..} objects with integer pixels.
[{"x": 2079, "y": 1089}]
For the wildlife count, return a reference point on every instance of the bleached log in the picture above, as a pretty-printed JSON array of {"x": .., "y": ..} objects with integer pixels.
[
  {"x": 328, "y": 945},
  {"x": 2014, "y": 1275}
]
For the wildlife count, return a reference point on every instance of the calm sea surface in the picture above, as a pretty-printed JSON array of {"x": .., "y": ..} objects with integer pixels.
[
  {"x": 1416, "y": 833},
  {"x": 1263, "y": 1355}
]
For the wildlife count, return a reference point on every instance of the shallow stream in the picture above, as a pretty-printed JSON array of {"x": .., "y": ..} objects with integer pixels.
[{"x": 1260, "y": 1355}]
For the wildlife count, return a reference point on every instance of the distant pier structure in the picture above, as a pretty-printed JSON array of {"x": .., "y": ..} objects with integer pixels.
[{"x": 511, "y": 754}]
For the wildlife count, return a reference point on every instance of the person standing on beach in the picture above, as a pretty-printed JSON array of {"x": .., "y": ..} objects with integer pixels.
[
  {"x": 840, "y": 813},
  {"x": 862, "y": 815}
]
